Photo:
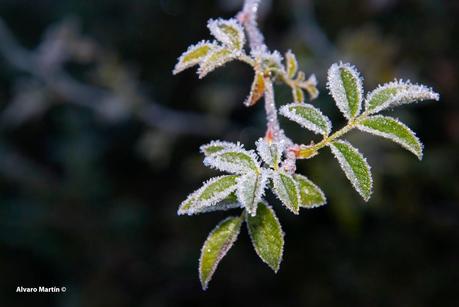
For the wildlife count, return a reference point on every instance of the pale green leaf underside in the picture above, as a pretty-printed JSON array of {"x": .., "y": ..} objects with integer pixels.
[
  {"x": 217, "y": 146},
  {"x": 311, "y": 196},
  {"x": 250, "y": 189},
  {"x": 394, "y": 130},
  {"x": 270, "y": 152},
  {"x": 218, "y": 243},
  {"x": 233, "y": 161},
  {"x": 267, "y": 236},
  {"x": 191, "y": 207},
  {"x": 286, "y": 189},
  {"x": 354, "y": 166},
  {"x": 308, "y": 117}
]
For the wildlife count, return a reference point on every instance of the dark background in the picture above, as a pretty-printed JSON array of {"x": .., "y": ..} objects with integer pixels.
[{"x": 99, "y": 145}]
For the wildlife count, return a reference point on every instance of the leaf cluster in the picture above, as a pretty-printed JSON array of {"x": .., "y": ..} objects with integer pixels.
[{"x": 251, "y": 173}]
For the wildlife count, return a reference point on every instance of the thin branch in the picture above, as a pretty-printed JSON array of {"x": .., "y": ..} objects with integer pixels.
[{"x": 63, "y": 85}]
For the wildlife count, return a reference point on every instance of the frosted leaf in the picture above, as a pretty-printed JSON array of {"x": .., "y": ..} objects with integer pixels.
[
  {"x": 308, "y": 117},
  {"x": 397, "y": 93},
  {"x": 345, "y": 85},
  {"x": 311, "y": 195},
  {"x": 216, "y": 58},
  {"x": 216, "y": 146},
  {"x": 216, "y": 246},
  {"x": 229, "y": 32},
  {"x": 286, "y": 189},
  {"x": 237, "y": 161},
  {"x": 298, "y": 94},
  {"x": 390, "y": 128},
  {"x": 268, "y": 60},
  {"x": 257, "y": 90},
  {"x": 311, "y": 86},
  {"x": 266, "y": 235},
  {"x": 190, "y": 207},
  {"x": 292, "y": 64},
  {"x": 250, "y": 190},
  {"x": 194, "y": 55},
  {"x": 354, "y": 166},
  {"x": 212, "y": 192},
  {"x": 270, "y": 152}
]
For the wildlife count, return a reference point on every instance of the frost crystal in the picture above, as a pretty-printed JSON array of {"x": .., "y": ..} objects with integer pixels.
[
  {"x": 397, "y": 93},
  {"x": 238, "y": 161},
  {"x": 216, "y": 146},
  {"x": 250, "y": 190},
  {"x": 216, "y": 58},
  {"x": 194, "y": 55},
  {"x": 355, "y": 167},
  {"x": 308, "y": 117},
  {"x": 211, "y": 193},
  {"x": 270, "y": 152},
  {"x": 229, "y": 32},
  {"x": 268, "y": 59},
  {"x": 345, "y": 86}
]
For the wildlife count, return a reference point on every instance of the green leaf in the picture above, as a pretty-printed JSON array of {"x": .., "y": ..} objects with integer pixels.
[
  {"x": 292, "y": 64},
  {"x": 345, "y": 85},
  {"x": 218, "y": 243},
  {"x": 308, "y": 117},
  {"x": 286, "y": 189},
  {"x": 191, "y": 207},
  {"x": 392, "y": 129},
  {"x": 354, "y": 166},
  {"x": 397, "y": 93},
  {"x": 194, "y": 55},
  {"x": 236, "y": 161},
  {"x": 298, "y": 94},
  {"x": 229, "y": 32},
  {"x": 217, "y": 146},
  {"x": 216, "y": 58},
  {"x": 267, "y": 236},
  {"x": 250, "y": 189},
  {"x": 311, "y": 195}
]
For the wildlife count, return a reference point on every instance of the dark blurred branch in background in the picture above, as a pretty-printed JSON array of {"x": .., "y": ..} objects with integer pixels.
[{"x": 63, "y": 44}]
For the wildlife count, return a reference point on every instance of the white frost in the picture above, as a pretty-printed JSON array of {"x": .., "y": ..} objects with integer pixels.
[
  {"x": 250, "y": 190},
  {"x": 270, "y": 152},
  {"x": 235, "y": 161},
  {"x": 336, "y": 87},
  {"x": 316, "y": 121},
  {"x": 406, "y": 92}
]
